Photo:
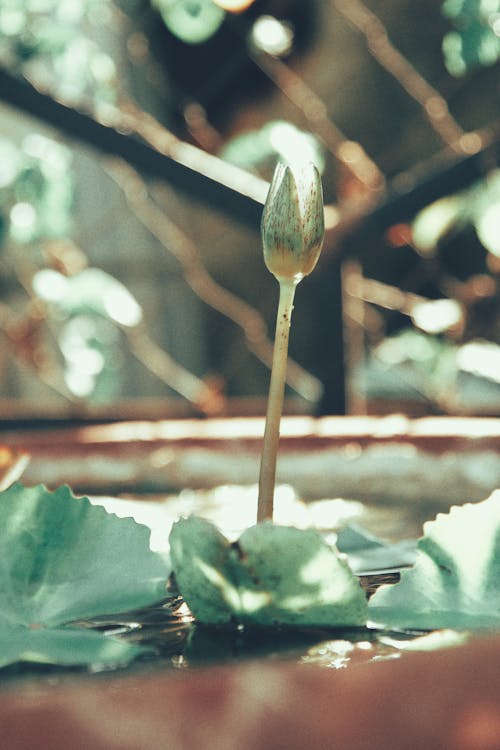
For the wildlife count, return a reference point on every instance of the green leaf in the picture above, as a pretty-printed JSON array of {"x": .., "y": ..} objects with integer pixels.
[
  {"x": 455, "y": 582},
  {"x": 202, "y": 567},
  {"x": 65, "y": 646},
  {"x": 272, "y": 575},
  {"x": 62, "y": 560},
  {"x": 369, "y": 554}
]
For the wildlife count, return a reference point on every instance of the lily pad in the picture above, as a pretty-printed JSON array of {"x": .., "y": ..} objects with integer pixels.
[
  {"x": 63, "y": 560},
  {"x": 274, "y": 575},
  {"x": 65, "y": 646},
  {"x": 367, "y": 554},
  {"x": 455, "y": 582}
]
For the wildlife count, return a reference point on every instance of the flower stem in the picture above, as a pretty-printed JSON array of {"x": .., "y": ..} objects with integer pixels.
[{"x": 267, "y": 476}]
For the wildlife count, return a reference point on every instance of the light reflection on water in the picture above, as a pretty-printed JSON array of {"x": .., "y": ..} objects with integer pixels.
[{"x": 233, "y": 508}]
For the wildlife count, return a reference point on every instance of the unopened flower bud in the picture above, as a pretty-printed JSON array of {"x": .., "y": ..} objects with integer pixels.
[{"x": 293, "y": 223}]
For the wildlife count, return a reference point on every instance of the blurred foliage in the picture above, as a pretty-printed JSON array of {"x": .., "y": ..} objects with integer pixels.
[
  {"x": 258, "y": 150},
  {"x": 84, "y": 308},
  {"x": 192, "y": 21},
  {"x": 475, "y": 39},
  {"x": 48, "y": 40},
  {"x": 478, "y": 207},
  {"x": 61, "y": 43},
  {"x": 71, "y": 48},
  {"x": 449, "y": 377},
  {"x": 91, "y": 291},
  {"x": 409, "y": 365},
  {"x": 196, "y": 21},
  {"x": 92, "y": 305},
  {"x": 450, "y": 358},
  {"x": 36, "y": 189}
]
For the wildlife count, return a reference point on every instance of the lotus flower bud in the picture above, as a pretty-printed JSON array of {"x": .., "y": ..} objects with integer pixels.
[{"x": 293, "y": 223}]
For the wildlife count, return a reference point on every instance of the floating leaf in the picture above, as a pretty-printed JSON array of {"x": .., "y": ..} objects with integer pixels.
[
  {"x": 455, "y": 582},
  {"x": 272, "y": 575},
  {"x": 63, "y": 560},
  {"x": 66, "y": 646},
  {"x": 202, "y": 566},
  {"x": 369, "y": 554}
]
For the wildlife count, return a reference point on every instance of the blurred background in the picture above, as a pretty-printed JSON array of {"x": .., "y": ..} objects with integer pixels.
[{"x": 137, "y": 139}]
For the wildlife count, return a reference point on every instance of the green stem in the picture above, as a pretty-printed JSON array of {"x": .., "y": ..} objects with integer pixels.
[{"x": 267, "y": 476}]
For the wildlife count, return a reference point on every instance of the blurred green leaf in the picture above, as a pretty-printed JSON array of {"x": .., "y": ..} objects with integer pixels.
[
  {"x": 10, "y": 163},
  {"x": 192, "y": 21},
  {"x": 435, "y": 221},
  {"x": 91, "y": 290},
  {"x": 413, "y": 363},
  {"x": 486, "y": 208},
  {"x": 478, "y": 206},
  {"x": 475, "y": 41},
  {"x": 36, "y": 189},
  {"x": 91, "y": 347},
  {"x": 47, "y": 40},
  {"x": 93, "y": 306},
  {"x": 258, "y": 150}
]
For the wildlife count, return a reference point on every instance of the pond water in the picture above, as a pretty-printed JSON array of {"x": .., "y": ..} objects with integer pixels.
[{"x": 389, "y": 476}]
